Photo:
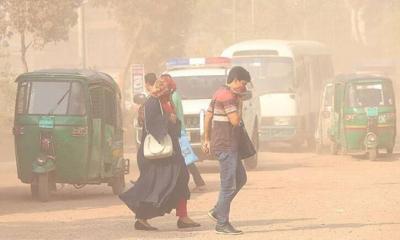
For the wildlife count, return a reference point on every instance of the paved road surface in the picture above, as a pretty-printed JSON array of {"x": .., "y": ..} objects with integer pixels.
[{"x": 290, "y": 196}]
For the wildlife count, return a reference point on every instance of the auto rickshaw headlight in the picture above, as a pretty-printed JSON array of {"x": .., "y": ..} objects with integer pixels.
[
  {"x": 41, "y": 161},
  {"x": 371, "y": 138}
]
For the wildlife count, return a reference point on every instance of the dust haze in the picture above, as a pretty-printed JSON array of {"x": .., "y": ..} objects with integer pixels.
[{"x": 112, "y": 36}]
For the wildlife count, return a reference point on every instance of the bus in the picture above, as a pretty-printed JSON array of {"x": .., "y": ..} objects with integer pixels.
[{"x": 288, "y": 78}]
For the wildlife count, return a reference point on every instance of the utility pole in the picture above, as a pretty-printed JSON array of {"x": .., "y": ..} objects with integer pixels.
[
  {"x": 82, "y": 34},
  {"x": 234, "y": 20},
  {"x": 253, "y": 27},
  {"x": 304, "y": 19}
]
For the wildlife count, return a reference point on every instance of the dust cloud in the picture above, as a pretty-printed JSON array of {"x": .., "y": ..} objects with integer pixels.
[{"x": 110, "y": 36}]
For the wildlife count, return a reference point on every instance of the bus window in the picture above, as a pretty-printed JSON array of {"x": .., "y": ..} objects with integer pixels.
[{"x": 269, "y": 74}]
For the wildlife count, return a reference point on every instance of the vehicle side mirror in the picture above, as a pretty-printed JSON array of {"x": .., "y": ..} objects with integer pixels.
[
  {"x": 139, "y": 98},
  {"x": 247, "y": 95}
]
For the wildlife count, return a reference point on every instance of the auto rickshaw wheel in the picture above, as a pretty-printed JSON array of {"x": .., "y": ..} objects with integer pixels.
[
  {"x": 252, "y": 162},
  {"x": 372, "y": 154},
  {"x": 34, "y": 188},
  {"x": 118, "y": 183},
  {"x": 43, "y": 187}
]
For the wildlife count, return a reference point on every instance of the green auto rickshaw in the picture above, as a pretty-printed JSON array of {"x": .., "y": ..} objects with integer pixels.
[
  {"x": 68, "y": 129},
  {"x": 364, "y": 115}
]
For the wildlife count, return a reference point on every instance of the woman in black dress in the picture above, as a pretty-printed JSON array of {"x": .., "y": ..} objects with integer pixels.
[{"x": 162, "y": 184}]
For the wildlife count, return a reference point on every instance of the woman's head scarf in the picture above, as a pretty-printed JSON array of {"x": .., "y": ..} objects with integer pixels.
[{"x": 163, "y": 89}]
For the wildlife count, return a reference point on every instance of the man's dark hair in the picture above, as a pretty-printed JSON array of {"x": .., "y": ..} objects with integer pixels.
[
  {"x": 150, "y": 78},
  {"x": 238, "y": 73}
]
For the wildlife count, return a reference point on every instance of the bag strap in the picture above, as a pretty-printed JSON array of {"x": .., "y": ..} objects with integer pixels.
[
  {"x": 144, "y": 113},
  {"x": 213, "y": 101}
]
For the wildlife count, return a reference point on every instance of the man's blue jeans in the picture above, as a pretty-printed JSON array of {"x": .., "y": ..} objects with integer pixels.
[{"x": 233, "y": 178}]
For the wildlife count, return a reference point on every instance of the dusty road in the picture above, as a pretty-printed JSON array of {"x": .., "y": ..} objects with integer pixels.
[{"x": 290, "y": 196}]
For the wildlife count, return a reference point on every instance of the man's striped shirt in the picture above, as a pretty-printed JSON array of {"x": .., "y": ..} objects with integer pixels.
[{"x": 224, "y": 137}]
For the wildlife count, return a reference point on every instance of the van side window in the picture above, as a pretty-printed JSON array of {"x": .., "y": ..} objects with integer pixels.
[{"x": 96, "y": 101}]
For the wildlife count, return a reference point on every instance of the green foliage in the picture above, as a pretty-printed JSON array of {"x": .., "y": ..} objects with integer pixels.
[
  {"x": 37, "y": 22},
  {"x": 45, "y": 20}
]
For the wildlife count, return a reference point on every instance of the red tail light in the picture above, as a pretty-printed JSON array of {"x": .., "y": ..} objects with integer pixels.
[
  {"x": 349, "y": 117},
  {"x": 45, "y": 144},
  {"x": 17, "y": 130}
]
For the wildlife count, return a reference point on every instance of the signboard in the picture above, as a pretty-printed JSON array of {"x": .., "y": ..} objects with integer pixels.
[{"x": 137, "y": 78}]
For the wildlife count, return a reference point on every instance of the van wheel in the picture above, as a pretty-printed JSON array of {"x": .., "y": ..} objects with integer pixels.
[
  {"x": 372, "y": 154},
  {"x": 251, "y": 163},
  {"x": 43, "y": 187},
  {"x": 118, "y": 184}
]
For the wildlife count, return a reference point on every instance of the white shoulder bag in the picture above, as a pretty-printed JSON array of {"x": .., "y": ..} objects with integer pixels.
[{"x": 153, "y": 149}]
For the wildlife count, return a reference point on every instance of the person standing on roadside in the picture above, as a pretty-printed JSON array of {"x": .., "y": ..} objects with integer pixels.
[{"x": 223, "y": 120}]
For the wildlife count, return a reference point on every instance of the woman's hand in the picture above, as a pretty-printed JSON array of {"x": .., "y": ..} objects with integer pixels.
[{"x": 206, "y": 146}]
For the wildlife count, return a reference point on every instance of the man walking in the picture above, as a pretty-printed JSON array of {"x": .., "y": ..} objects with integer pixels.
[{"x": 224, "y": 114}]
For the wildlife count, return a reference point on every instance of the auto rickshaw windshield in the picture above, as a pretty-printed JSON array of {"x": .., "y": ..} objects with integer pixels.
[
  {"x": 368, "y": 95},
  {"x": 51, "y": 98}
]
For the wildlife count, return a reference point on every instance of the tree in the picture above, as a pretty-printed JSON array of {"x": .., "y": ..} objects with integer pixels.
[
  {"x": 154, "y": 31},
  {"x": 38, "y": 22}
]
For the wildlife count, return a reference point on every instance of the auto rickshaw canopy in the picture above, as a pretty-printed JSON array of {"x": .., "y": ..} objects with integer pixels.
[{"x": 88, "y": 76}]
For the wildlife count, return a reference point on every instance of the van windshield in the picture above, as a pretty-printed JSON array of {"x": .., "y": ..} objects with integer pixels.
[
  {"x": 199, "y": 87},
  {"x": 368, "y": 95},
  {"x": 268, "y": 74},
  {"x": 53, "y": 98}
]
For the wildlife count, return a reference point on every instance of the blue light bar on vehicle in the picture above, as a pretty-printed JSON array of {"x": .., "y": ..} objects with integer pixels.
[
  {"x": 178, "y": 62},
  {"x": 193, "y": 62}
]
